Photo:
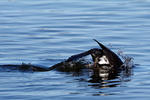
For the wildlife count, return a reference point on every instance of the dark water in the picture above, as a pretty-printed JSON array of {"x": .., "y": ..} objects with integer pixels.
[{"x": 45, "y": 32}]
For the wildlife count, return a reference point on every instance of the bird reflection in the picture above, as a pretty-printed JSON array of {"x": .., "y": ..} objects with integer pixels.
[{"x": 98, "y": 80}]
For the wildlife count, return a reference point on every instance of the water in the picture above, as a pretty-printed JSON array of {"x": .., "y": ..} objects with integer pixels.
[{"x": 45, "y": 32}]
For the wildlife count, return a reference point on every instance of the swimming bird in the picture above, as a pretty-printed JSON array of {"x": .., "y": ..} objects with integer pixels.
[{"x": 103, "y": 59}]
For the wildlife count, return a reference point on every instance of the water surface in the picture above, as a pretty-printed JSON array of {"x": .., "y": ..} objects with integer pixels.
[{"x": 45, "y": 32}]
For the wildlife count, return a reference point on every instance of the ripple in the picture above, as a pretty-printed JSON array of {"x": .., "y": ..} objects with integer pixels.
[{"x": 47, "y": 32}]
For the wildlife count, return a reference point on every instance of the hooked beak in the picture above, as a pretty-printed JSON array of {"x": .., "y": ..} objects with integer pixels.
[{"x": 114, "y": 60}]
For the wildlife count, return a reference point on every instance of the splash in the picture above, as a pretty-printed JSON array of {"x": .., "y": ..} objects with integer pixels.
[{"x": 128, "y": 61}]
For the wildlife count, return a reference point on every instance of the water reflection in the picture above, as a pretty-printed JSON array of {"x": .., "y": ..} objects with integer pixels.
[{"x": 97, "y": 81}]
